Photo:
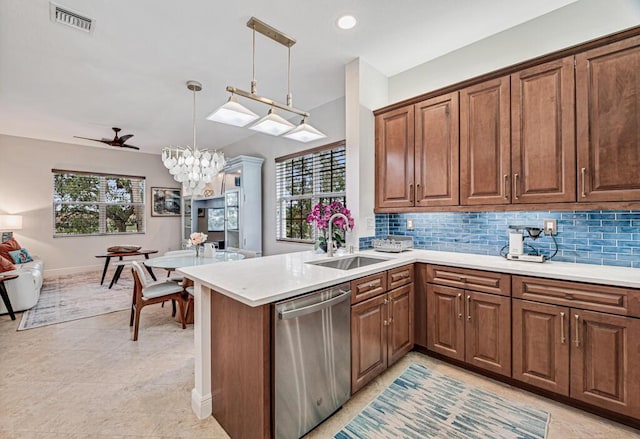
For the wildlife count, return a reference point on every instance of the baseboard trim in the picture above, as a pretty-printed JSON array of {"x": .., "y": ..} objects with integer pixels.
[
  {"x": 202, "y": 406},
  {"x": 71, "y": 270}
]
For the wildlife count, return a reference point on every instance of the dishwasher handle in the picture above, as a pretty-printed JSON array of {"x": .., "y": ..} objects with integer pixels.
[{"x": 286, "y": 315}]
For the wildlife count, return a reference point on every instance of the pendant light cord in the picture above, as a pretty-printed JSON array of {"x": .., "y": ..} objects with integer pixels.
[
  {"x": 194, "y": 120},
  {"x": 254, "y": 83},
  {"x": 289, "y": 97}
]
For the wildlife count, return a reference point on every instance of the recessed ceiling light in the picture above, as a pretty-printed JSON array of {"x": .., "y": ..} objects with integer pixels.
[{"x": 347, "y": 22}]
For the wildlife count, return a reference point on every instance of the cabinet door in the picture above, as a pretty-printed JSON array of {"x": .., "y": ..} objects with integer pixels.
[
  {"x": 485, "y": 146},
  {"x": 543, "y": 133},
  {"x": 368, "y": 340},
  {"x": 394, "y": 158},
  {"x": 541, "y": 345},
  {"x": 488, "y": 332},
  {"x": 608, "y": 114},
  {"x": 400, "y": 337},
  {"x": 445, "y": 326},
  {"x": 604, "y": 361},
  {"x": 436, "y": 151}
]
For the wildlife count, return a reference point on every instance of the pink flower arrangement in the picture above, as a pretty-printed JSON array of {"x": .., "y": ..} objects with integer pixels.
[
  {"x": 320, "y": 215},
  {"x": 196, "y": 238}
]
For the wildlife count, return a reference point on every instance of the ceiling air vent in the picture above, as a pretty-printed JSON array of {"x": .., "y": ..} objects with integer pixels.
[{"x": 70, "y": 18}]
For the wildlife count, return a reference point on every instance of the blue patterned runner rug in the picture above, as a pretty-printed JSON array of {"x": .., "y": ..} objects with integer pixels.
[{"x": 422, "y": 403}]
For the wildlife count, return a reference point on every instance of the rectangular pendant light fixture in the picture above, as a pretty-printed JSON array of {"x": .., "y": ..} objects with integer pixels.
[{"x": 233, "y": 113}]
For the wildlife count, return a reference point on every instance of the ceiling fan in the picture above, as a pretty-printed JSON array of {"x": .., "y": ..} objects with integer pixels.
[{"x": 116, "y": 141}]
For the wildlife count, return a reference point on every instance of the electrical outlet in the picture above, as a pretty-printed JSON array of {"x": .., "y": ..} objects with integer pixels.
[
  {"x": 409, "y": 224},
  {"x": 550, "y": 227}
]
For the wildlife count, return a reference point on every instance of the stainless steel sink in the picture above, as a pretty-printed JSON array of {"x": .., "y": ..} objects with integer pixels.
[{"x": 349, "y": 263}]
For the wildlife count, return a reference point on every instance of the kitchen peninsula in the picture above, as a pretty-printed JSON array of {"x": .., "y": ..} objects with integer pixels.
[{"x": 233, "y": 353}]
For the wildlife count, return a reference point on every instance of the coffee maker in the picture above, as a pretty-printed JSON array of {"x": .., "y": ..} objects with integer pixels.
[{"x": 517, "y": 235}]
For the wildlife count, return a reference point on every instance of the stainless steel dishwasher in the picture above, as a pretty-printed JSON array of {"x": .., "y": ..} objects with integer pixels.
[{"x": 312, "y": 359}]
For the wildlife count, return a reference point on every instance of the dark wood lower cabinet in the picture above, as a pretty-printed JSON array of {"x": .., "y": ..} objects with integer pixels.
[
  {"x": 400, "y": 324},
  {"x": 381, "y": 333},
  {"x": 541, "y": 345},
  {"x": 587, "y": 355},
  {"x": 488, "y": 332},
  {"x": 368, "y": 340},
  {"x": 605, "y": 361},
  {"x": 470, "y": 326}
]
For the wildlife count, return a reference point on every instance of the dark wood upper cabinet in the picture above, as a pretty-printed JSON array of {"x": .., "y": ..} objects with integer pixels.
[
  {"x": 543, "y": 133},
  {"x": 394, "y": 158},
  {"x": 608, "y": 122},
  {"x": 485, "y": 146},
  {"x": 436, "y": 151}
]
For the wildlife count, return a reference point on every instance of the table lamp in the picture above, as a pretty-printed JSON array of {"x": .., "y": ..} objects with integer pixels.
[{"x": 8, "y": 223}]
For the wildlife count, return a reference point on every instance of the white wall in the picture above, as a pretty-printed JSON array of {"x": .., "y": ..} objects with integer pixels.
[
  {"x": 573, "y": 24},
  {"x": 328, "y": 118},
  {"x": 26, "y": 188},
  {"x": 365, "y": 90}
]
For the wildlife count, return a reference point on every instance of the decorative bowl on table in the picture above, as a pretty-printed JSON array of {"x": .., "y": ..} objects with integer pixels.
[{"x": 123, "y": 248}]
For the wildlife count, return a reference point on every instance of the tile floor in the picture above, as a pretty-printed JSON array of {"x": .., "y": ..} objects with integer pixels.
[{"x": 87, "y": 379}]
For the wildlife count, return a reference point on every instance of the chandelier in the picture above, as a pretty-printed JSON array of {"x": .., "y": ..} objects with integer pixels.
[
  {"x": 234, "y": 113},
  {"x": 193, "y": 167}
]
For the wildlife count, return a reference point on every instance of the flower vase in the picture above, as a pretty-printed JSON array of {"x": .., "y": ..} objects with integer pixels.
[{"x": 197, "y": 251}]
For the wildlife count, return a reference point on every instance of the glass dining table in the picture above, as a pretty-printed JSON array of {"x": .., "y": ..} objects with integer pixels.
[{"x": 172, "y": 262}]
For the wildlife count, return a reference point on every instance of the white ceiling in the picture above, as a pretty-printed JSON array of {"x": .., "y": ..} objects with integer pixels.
[{"x": 57, "y": 82}]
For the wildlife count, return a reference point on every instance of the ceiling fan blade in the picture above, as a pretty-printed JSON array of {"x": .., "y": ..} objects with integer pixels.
[
  {"x": 125, "y": 138},
  {"x": 95, "y": 140},
  {"x": 129, "y": 146}
]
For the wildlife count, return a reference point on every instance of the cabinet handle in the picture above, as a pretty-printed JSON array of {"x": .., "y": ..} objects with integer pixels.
[
  {"x": 385, "y": 323},
  {"x": 459, "y": 306},
  {"x": 469, "y": 308},
  {"x": 418, "y": 193},
  {"x": 411, "y": 193},
  {"x": 583, "y": 173},
  {"x": 562, "y": 338},
  {"x": 390, "y": 320},
  {"x": 386, "y": 301},
  {"x": 515, "y": 185},
  {"x": 506, "y": 186},
  {"x": 577, "y": 340}
]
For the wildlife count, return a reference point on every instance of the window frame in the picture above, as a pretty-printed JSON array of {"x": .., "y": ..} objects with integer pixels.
[
  {"x": 314, "y": 196},
  {"x": 101, "y": 203}
]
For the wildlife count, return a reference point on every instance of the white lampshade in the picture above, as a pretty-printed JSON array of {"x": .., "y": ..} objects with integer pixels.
[
  {"x": 233, "y": 113},
  {"x": 10, "y": 222},
  {"x": 304, "y": 133},
  {"x": 272, "y": 124}
]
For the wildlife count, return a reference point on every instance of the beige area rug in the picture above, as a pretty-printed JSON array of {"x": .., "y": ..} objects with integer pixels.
[{"x": 77, "y": 296}]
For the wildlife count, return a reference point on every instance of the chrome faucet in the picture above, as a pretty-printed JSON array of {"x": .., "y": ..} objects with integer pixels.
[{"x": 330, "y": 239}]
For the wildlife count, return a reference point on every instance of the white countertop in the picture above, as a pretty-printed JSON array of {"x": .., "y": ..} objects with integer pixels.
[{"x": 259, "y": 281}]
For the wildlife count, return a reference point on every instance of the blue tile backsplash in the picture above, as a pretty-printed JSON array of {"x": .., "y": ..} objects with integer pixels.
[{"x": 602, "y": 237}]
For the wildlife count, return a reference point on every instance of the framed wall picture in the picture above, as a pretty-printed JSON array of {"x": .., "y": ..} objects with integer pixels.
[{"x": 165, "y": 201}]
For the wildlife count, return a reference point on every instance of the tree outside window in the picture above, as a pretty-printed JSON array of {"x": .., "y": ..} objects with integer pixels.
[{"x": 97, "y": 204}]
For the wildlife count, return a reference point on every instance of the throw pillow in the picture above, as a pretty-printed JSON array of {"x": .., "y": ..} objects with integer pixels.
[
  {"x": 20, "y": 256},
  {"x": 6, "y": 265},
  {"x": 7, "y": 246}
]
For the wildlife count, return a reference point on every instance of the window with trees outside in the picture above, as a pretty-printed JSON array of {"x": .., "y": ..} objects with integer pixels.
[
  {"x": 304, "y": 179},
  {"x": 97, "y": 204}
]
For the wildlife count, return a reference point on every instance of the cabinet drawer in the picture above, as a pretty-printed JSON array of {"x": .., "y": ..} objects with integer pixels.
[
  {"x": 614, "y": 300},
  {"x": 367, "y": 287},
  {"x": 399, "y": 276},
  {"x": 476, "y": 280}
]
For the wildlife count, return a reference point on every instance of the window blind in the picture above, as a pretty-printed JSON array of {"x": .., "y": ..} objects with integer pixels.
[{"x": 304, "y": 179}]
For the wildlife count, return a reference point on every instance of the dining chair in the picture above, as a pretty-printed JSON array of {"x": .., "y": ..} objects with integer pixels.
[
  {"x": 176, "y": 277},
  {"x": 146, "y": 293}
]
